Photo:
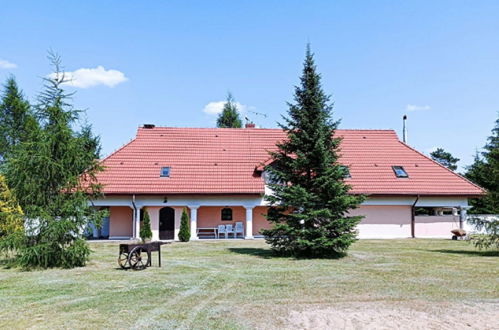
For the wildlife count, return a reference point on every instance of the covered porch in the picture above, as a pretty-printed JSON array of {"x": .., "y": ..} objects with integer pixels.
[{"x": 206, "y": 216}]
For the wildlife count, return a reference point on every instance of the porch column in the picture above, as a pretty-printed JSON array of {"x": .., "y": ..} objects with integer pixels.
[
  {"x": 137, "y": 222},
  {"x": 194, "y": 222},
  {"x": 249, "y": 222}
]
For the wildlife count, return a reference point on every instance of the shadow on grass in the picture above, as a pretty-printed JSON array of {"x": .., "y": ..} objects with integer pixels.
[
  {"x": 476, "y": 253},
  {"x": 269, "y": 254},
  {"x": 256, "y": 252}
]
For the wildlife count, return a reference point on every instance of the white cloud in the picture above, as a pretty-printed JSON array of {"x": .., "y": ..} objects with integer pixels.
[
  {"x": 214, "y": 108},
  {"x": 85, "y": 78},
  {"x": 413, "y": 107},
  {"x": 4, "y": 64}
]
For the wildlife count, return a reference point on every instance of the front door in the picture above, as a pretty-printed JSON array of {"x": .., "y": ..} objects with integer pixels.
[{"x": 166, "y": 223}]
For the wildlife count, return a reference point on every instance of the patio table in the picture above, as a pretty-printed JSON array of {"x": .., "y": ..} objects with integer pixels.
[{"x": 207, "y": 231}]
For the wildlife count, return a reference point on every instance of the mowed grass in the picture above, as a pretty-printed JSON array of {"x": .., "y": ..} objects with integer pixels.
[{"x": 239, "y": 284}]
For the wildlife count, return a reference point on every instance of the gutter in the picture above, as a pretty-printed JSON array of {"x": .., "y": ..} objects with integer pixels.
[
  {"x": 413, "y": 217},
  {"x": 134, "y": 217}
]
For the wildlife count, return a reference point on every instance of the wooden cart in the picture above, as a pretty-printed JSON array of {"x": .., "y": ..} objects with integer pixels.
[{"x": 137, "y": 256}]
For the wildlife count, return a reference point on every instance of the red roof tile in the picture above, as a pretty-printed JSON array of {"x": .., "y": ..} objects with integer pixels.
[{"x": 223, "y": 161}]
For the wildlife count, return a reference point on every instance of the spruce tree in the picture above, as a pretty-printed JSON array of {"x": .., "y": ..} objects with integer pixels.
[
  {"x": 485, "y": 173},
  {"x": 145, "y": 228},
  {"x": 17, "y": 122},
  {"x": 229, "y": 117},
  {"x": 184, "y": 235},
  {"x": 445, "y": 158},
  {"x": 310, "y": 201},
  {"x": 45, "y": 174}
]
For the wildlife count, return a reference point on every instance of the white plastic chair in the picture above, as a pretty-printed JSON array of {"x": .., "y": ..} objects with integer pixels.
[
  {"x": 221, "y": 230},
  {"x": 239, "y": 229},
  {"x": 229, "y": 230}
]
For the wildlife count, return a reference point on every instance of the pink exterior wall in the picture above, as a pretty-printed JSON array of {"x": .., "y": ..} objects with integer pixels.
[
  {"x": 120, "y": 221},
  {"x": 436, "y": 226},
  {"x": 154, "y": 215},
  {"x": 259, "y": 220},
  {"x": 384, "y": 221},
  {"x": 210, "y": 216},
  {"x": 380, "y": 221}
]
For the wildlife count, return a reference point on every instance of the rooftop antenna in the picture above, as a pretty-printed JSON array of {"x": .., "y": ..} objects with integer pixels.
[
  {"x": 248, "y": 120},
  {"x": 404, "y": 129}
]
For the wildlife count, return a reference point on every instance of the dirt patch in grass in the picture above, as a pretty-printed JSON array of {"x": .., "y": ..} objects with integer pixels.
[{"x": 380, "y": 315}]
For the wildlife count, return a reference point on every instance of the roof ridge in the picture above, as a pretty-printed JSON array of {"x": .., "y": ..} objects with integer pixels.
[
  {"x": 442, "y": 166},
  {"x": 262, "y": 128}
]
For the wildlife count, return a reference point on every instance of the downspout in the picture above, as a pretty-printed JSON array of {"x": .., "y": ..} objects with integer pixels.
[
  {"x": 413, "y": 217},
  {"x": 134, "y": 217}
]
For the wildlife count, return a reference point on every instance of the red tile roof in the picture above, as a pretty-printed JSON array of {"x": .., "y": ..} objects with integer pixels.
[{"x": 223, "y": 161}]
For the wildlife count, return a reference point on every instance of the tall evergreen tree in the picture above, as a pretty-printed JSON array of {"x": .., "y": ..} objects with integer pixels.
[
  {"x": 16, "y": 119},
  {"x": 310, "y": 200},
  {"x": 45, "y": 175},
  {"x": 445, "y": 158},
  {"x": 485, "y": 172},
  {"x": 229, "y": 117}
]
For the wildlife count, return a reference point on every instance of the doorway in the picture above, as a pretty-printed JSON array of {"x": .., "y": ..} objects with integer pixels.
[{"x": 166, "y": 223}]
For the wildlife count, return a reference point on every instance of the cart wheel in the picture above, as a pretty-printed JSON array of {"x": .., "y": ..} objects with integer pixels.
[
  {"x": 123, "y": 260},
  {"x": 138, "y": 258}
]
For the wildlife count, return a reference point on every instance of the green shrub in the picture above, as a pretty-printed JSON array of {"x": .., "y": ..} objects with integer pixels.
[
  {"x": 184, "y": 234},
  {"x": 11, "y": 215},
  {"x": 145, "y": 229}
]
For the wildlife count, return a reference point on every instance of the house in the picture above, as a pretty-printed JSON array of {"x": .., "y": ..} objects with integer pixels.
[{"x": 218, "y": 176}]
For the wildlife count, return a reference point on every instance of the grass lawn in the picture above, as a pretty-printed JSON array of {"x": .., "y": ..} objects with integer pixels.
[{"x": 238, "y": 284}]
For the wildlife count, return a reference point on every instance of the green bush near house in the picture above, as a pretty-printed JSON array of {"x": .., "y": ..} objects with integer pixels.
[
  {"x": 184, "y": 234},
  {"x": 145, "y": 229}
]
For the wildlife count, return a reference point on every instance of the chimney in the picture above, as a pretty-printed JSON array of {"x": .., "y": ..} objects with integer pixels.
[
  {"x": 149, "y": 126},
  {"x": 404, "y": 129},
  {"x": 249, "y": 125}
]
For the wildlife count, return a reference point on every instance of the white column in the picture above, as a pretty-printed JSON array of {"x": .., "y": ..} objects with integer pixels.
[
  {"x": 194, "y": 222},
  {"x": 249, "y": 223},
  {"x": 137, "y": 223}
]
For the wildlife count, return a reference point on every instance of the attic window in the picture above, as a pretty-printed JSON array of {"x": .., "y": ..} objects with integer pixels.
[
  {"x": 346, "y": 172},
  {"x": 165, "y": 172},
  {"x": 400, "y": 172}
]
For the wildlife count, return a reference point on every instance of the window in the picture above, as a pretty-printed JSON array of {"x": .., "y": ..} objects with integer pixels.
[
  {"x": 400, "y": 172},
  {"x": 165, "y": 172},
  {"x": 226, "y": 214},
  {"x": 270, "y": 178},
  {"x": 346, "y": 172}
]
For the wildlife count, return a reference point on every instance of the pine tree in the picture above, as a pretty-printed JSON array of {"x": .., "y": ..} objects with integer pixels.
[
  {"x": 477, "y": 173},
  {"x": 310, "y": 200},
  {"x": 11, "y": 214},
  {"x": 445, "y": 158},
  {"x": 229, "y": 117},
  {"x": 44, "y": 173},
  {"x": 485, "y": 173},
  {"x": 184, "y": 234},
  {"x": 145, "y": 228},
  {"x": 16, "y": 118}
]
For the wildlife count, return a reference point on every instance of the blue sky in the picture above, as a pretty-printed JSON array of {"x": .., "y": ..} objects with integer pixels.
[{"x": 163, "y": 62}]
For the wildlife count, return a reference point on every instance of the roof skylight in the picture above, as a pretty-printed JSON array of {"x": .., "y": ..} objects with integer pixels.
[
  {"x": 400, "y": 172},
  {"x": 165, "y": 172}
]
